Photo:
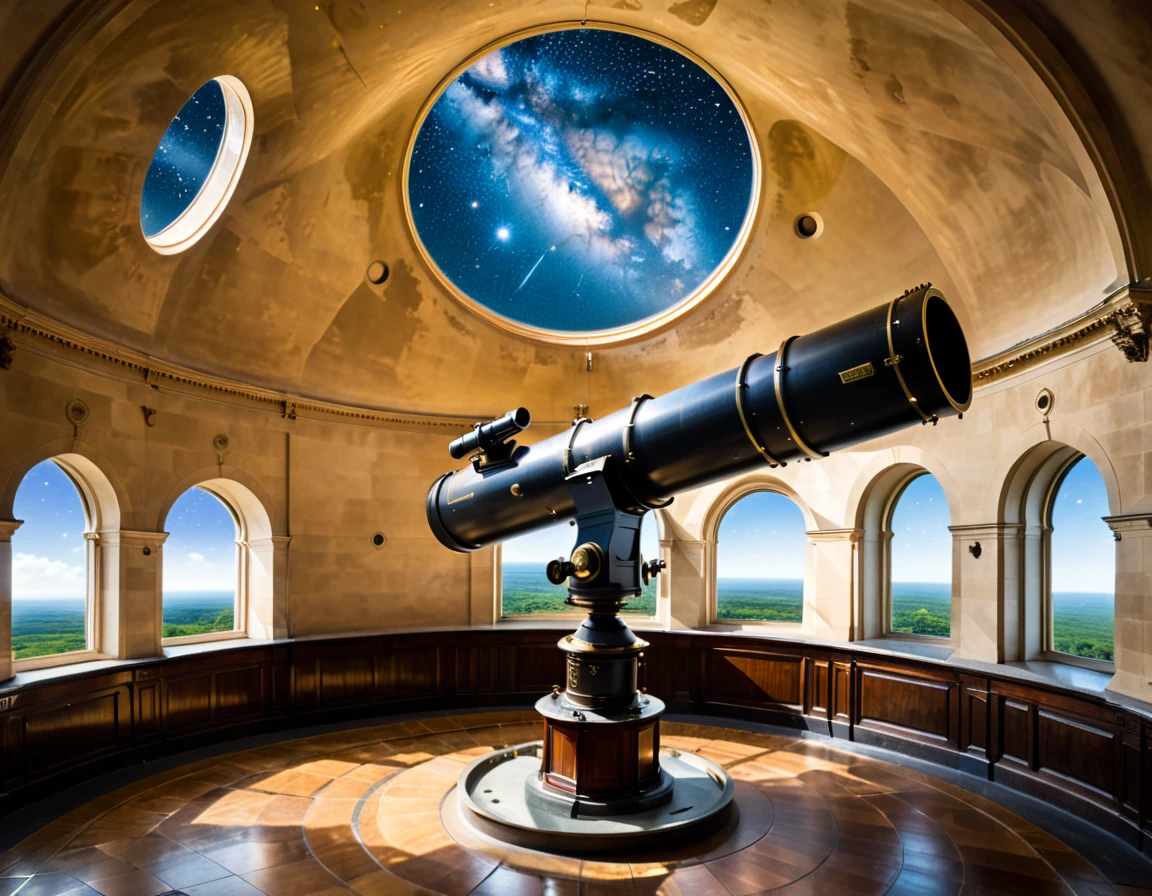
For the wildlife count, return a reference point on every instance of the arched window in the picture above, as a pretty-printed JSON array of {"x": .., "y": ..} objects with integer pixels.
[
  {"x": 760, "y": 552},
  {"x": 920, "y": 560},
  {"x": 202, "y": 593},
  {"x": 526, "y": 591},
  {"x": 1082, "y": 563},
  {"x": 53, "y": 592}
]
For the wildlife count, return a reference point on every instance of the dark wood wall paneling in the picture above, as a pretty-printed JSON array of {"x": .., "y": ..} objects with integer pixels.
[{"x": 1072, "y": 749}]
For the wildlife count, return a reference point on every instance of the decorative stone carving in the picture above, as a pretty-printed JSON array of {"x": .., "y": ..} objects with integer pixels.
[
  {"x": 76, "y": 411},
  {"x": 7, "y": 348},
  {"x": 1133, "y": 325},
  {"x": 1126, "y": 318}
]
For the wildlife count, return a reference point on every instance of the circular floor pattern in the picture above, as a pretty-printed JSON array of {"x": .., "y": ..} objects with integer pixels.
[{"x": 373, "y": 811}]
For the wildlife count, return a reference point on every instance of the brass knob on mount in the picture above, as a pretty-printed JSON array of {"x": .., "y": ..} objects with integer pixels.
[
  {"x": 651, "y": 569},
  {"x": 587, "y": 561},
  {"x": 558, "y": 571}
]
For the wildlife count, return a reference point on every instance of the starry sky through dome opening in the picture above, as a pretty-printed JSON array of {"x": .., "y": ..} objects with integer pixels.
[
  {"x": 183, "y": 160},
  {"x": 581, "y": 180}
]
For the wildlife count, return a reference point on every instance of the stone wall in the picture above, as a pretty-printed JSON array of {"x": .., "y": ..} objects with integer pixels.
[{"x": 328, "y": 486}]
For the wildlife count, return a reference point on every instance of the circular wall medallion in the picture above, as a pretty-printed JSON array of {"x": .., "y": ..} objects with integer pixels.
[
  {"x": 1045, "y": 401},
  {"x": 196, "y": 166},
  {"x": 379, "y": 540},
  {"x": 76, "y": 411},
  {"x": 220, "y": 442},
  {"x": 582, "y": 185}
]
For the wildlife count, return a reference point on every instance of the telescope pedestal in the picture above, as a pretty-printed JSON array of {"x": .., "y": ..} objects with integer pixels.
[
  {"x": 599, "y": 780},
  {"x": 607, "y": 761}
]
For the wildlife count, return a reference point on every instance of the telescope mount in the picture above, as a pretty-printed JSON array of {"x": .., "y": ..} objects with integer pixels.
[{"x": 599, "y": 781}]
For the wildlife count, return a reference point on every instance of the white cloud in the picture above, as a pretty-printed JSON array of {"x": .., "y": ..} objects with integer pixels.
[
  {"x": 33, "y": 575},
  {"x": 195, "y": 556}
]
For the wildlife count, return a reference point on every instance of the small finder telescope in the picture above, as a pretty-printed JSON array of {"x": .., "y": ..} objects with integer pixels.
[{"x": 490, "y": 440}]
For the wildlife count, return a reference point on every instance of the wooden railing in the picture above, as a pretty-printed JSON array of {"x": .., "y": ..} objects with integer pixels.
[{"x": 1073, "y": 749}]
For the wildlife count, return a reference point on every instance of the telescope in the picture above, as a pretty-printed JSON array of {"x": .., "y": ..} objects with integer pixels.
[{"x": 902, "y": 363}]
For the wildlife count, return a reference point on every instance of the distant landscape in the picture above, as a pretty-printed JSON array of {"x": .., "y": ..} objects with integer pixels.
[
  {"x": 43, "y": 626},
  {"x": 1083, "y": 621},
  {"x": 527, "y": 593}
]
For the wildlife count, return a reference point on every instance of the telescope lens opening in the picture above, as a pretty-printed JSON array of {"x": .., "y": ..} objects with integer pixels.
[{"x": 948, "y": 352}]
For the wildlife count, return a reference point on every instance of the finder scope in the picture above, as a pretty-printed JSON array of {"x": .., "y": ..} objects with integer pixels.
[
  {"x": 489, "y": 438},
  {"x": 902, "y": 363}
]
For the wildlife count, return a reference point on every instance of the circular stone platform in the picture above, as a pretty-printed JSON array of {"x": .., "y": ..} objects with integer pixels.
[{"x": 501, "y": 795}]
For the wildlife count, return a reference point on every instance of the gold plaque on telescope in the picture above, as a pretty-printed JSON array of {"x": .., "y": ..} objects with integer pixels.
[{"x": 857, "y": 373}]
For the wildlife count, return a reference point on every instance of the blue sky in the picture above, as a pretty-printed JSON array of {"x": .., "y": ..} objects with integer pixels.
[
  {"x": 581, "y": 179},
  {"x": 200, "y": 553},
  {"x": 921, "y": 542},
  {"x": 183, "y": 159},
  {"x": 762, "y": 537},
  {"x": 1083, "y": 548},
  {"x": 548, "y": 544},
  {"x": 48, "y": 559},
  {"x": 48, "y": 550}
]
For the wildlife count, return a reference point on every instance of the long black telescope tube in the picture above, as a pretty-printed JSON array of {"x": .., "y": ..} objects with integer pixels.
[{"x": 901, "y": 363}]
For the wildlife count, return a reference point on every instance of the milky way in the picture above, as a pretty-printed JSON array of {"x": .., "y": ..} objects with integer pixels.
[
  {"x": 581, "y": 179},
  {"x": 183, "y": 160}
]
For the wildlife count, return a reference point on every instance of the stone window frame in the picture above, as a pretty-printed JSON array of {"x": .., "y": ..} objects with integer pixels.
[
  {"x": 255, "y": 549},
  {"x": 101, "y": 529},
  {"x": 885, "y": 567},
  {"x": 1050, "y": 477},
  {"x": 728, "y": 499},
  {"x": 878, "y": 491}
]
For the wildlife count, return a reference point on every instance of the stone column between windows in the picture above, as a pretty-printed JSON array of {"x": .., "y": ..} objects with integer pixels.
[
  {"x": 7, "y": 527},
  {"x": 832, "y": 584},
  {"x": 979, "y": 608},
  {"x": 137, "y": 616},
  {"x": 1133, "y": 650},
  {"x": 483, "y": 601},
  {"x": 265, "y": 580},
  {"x": 688, "y": 573}
]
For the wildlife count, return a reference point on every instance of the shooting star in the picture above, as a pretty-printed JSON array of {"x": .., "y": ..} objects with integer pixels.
[{"x": 531, "y": 272}]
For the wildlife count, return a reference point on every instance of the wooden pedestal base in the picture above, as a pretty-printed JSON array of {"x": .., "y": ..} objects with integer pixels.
[{"x": 602, "y": 760}]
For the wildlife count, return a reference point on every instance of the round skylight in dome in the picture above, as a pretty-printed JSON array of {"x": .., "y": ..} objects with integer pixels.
[
  {"x": 196, "y": 166},
  {"x": 582, "y": 185}
]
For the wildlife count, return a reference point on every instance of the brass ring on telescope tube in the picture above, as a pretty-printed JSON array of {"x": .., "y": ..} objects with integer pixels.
[
  {"x": 778, "y": 382},
  {"x": 741, "y": 386},
  {"x": 929, "y": 293},
  {"x": 636, "y": 402},
  {"x": 893, "y": 361},
  {"x": 572, "y": 441}
]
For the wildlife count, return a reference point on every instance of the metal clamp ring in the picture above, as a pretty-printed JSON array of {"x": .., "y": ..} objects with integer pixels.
[
  {"x": 636, "y": 402},
  {"x": 741, "y": 387},
  {"x": 893, "y": 360},
  {"x": 580, "y": 421},
  {"x": 778, "y": 382}
]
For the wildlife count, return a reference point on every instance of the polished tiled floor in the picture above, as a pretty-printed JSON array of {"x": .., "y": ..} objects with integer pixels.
[{"x": 371, "y": 811}]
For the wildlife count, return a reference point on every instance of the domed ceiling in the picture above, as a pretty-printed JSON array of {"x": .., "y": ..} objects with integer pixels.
[{"x": 924, "y": 151}]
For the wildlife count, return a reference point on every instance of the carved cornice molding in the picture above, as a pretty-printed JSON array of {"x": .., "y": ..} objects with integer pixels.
[
  {"x": 26, "y": 323},
  {"x": 1125, "y": 318}
]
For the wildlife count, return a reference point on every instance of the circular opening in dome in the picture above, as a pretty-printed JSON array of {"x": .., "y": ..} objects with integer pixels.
[
  {"x": 196, "y": 165},
  {"x": 582, "y": 185},
  {"x": 809, "y": 225}
]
